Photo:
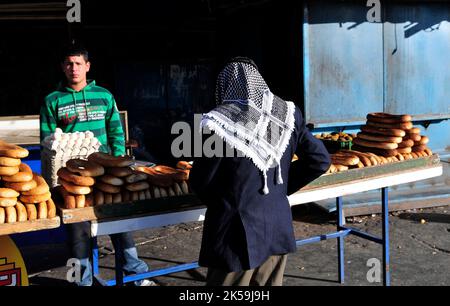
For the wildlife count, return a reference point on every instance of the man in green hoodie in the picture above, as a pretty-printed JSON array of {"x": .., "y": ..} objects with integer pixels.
[{"x": 77, "y": 106}]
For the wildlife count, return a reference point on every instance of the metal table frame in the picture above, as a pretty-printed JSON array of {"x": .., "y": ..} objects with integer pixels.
[{"x": 301, "y": 197}]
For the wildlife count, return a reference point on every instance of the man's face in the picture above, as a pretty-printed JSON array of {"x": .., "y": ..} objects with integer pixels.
[{"x": 75, "y": 68}]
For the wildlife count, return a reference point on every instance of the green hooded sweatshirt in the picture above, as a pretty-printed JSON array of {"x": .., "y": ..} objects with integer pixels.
[{"x": 91, "y": 109}]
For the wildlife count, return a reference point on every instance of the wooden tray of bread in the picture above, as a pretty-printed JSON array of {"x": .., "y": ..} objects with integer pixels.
[{"x": 126, "y": 210}]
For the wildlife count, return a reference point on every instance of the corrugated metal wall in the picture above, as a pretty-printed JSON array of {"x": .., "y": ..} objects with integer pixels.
[{"x": 352, "y": 66}]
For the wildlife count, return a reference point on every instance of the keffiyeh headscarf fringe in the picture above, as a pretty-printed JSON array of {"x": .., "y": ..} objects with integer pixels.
[{"x": 250, "y": 119}]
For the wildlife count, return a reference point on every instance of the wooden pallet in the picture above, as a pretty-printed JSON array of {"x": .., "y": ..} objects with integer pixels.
[
  {"x": 121, "y": 210},
  {"x": 29, "y": 226}
]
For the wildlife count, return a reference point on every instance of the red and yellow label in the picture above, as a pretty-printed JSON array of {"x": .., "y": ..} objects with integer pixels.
[{"x": 12, "y": 267}]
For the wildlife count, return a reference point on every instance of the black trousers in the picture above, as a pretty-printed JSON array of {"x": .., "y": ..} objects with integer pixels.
[{"x": 80, "y": 240}]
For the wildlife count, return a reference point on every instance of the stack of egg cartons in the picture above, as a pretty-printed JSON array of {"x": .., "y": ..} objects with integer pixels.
[{"x": 60, "y": 147}]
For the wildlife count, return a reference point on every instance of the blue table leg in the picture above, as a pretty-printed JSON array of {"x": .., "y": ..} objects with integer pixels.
[
  {"x": 119, "y": 263},
  {"x": 94, "y": 256},
  {"x": 386, "y": 259},
  {"x": 340, "y": 240}
]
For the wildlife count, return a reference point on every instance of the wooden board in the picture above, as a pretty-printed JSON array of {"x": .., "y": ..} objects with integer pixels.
[
  {"x": 121, "y": 210},
  {"x": 340, "y": 189},
  {"x": 29, "y": 226},
  {"x": 374, "y": 171}
]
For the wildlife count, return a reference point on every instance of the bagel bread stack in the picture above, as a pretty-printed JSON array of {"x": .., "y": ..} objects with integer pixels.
[
  {"x": 13, "y": 172},
  {"x": 77, "y": 180},
  {"x": 8, "y": 201},
  {"x": 383, "y": 134},
  {"x": 417, "y": 144},
  {"x": 120, "y": 183},
  {"x": 167, "y": 181}
]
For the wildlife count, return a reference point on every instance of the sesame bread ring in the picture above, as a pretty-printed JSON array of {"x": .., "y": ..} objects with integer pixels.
[
  {"x": 424, "y": 140},
  {"x": 21, "y": 187},
  {"x": 184, "y": 187},
  {"x": 135, "y": 177},
  {"x": 383, "y": 131},
  {"x": 406, "y": 143},
  {"x": 405, "y": 150},
  {"x": 119, "y": 171},
  {"x": 11, "y": 214},
  {"x": 31, "y": 211},
  {"x": 74, "y": 189},
  {"x": 41, "y": 188},
  {"x": 117, "y": 198},
  {"x": 24, "y": 175},
  {"x": 42, "y": 212},
  {"x": 107, "y": 188},
  {"x": 148, "y": 194},
  {"x": 111, "y": 180},
  {"x": 8, "y": 202},
  {"x": 75, "y": 179},
  {"x": 400, "y": 125},
  {"x": 2, "y": 215},
  {"x": 379, "y": 138},
  {"x": 419, "y": 148},
  {"x": 126, "y": 196},
  {"x": 85, "y": 168},
  {"x": 108, "y": 198},
  {"x": 8, "y": 193},
  {"x": 13, "y": 151},
  {"x": 139, "y": 186},
  {"x": 21, "y": 212},
  {"x": 8, "y": 171},
  {"x": 413, "y": 137},
  {"x": 69, "y": 200},
  {"x": 51, "y": 209},
  {"x": 99, "y": 198},
  {"x": 34, "y": 199},
  {"x": 141, "y": 195},
  {"x": 80, "y": 201},
  {"x": 388, "y": 118},
  {"x": 89, "y": 200},
  {"x": 184, "y": 165},
  {"x": 413, "y": 130},
  {"x": 134, "y": 196},
  {"x": 107, "y": 160},
  {"x": 374, "y": 144},
  {"x": 9, "y": 162}
]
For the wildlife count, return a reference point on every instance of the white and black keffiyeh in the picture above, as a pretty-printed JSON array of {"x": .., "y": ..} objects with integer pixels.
[{"x": 250, "y": 119}]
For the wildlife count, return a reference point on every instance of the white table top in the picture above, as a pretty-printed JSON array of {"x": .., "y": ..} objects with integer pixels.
[{"x": 301, "y": 197}]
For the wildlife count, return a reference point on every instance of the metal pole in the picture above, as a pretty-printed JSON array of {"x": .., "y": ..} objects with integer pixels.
[
  {"x": 119, "y": 262},
  {"x": 386, "y": 259},
  {"x": 340, "y": 240},
  {"x": 94, "y": 256}
]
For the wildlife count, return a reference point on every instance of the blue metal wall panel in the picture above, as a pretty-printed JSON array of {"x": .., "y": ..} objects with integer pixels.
[
  {"x": 343, "y": 63},
  {"x": 417, "y": 51}
]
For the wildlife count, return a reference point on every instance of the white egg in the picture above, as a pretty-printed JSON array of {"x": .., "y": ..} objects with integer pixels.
[
  {"x": 86, "y": 142},
  {"x": 83, "y": 151},
  {"x": 89, "y": 134}
]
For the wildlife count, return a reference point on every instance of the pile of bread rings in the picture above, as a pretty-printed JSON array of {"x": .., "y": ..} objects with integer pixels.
[
  {"x": 105, "y": 179},
  {"x": 24, "y": 195},
  {"x": 386, "y": 138},
  {"x": 391, "y": 135}
]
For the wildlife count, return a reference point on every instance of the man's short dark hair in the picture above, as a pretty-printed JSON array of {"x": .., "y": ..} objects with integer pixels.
[{"x": 74, "y": 49}]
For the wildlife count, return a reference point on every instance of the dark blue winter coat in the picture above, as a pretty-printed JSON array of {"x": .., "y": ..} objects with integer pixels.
[{"x": 243, "y": 227}]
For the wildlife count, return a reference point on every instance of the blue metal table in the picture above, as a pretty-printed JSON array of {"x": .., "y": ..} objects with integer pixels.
[{"x": 382, "y": 182}]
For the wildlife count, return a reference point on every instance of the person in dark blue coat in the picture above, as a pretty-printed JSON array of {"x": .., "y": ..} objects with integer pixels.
[{"x": 248, "y": 229}]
